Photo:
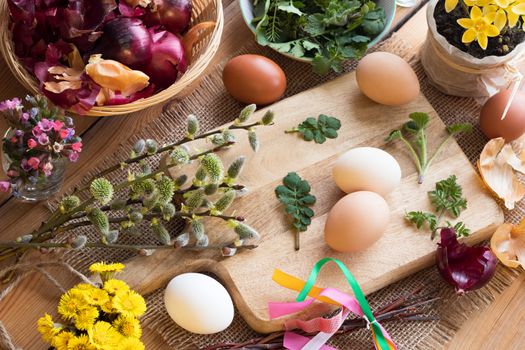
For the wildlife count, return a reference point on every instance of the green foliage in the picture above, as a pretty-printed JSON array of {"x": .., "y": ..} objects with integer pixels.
[
  {"x": 295, "y": 195},
  {"x": 102, "y": 190},
  {"x": 414, "y": 136},
  {"x": 329, "y": 32},
  {"x": 447, "y": 200},
  {"x": 318, "y": 130}
]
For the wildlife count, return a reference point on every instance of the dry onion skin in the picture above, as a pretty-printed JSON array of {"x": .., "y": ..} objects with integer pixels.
[
  {"x": 115, "y": 76},
  {"x": 498, "y": 164},
  {"x": 508, "y": 244}
]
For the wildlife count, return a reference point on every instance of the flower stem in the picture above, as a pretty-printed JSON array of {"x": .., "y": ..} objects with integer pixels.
[{"x": 291, "y": 131}]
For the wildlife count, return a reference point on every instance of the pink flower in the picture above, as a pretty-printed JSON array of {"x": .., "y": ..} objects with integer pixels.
[
  {"x": 37, "y": 131},
  {"x": 58, "y": 125},
  {"x": 47, "y": 168},
  {"x": 10, "y": 104},
  {"x": 73, "y": 156},
  {"x": 33, "y": 162},
  {"x": 14, "y": 139},
  {"x": 5, "y": 186},
  {"x": 31, "y": 143},
  {"x": 77, "y": 147},
  {"x": 13, "y": 173},
  {"x": 63, "y": 134},
  {"x": 43, "y": 139},
  {"x": 24, "y": 117},
  {"x": 46, "y": 124}
]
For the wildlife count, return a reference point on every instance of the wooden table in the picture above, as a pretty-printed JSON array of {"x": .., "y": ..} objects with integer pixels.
[{"x": 496, "y": 327}]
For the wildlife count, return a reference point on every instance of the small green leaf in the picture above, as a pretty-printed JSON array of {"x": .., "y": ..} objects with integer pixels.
[
  {"x": 394, "y": 135},
  {"x": 319, "y": 129},
  {"x": 420, "y": 119},
  {"x": 455, "y": 129}
]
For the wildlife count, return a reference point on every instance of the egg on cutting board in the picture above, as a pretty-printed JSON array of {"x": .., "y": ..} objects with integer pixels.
[
  {"x": 356, "y": 222},
  {"x": 254, "y": 79},
  {"x": 387, "y": 79},
  {"x": 367, "y": 169},
  {"x": 198, "y": 303}
]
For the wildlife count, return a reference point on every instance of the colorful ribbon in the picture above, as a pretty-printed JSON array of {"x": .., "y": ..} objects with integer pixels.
[{"x": 326, "y": 327}]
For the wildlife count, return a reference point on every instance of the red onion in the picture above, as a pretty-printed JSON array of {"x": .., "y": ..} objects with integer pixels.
[
  {"x": 174, "y": 15},
  {"x": 125, "y": 40},
  {"x": 167, "y": 60},
  {"x": 465, "y": 268}
]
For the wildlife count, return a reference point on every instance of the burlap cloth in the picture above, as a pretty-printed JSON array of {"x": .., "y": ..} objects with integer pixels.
[{"x": 215, "y": 107}]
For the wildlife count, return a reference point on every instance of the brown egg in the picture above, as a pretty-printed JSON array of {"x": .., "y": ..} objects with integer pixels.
[
  {"x": 356, "y": 222},
  {"x": 510, "y": 128},
  {"x": 254, "y": 79},
  {"x": 387, "y": 79}
]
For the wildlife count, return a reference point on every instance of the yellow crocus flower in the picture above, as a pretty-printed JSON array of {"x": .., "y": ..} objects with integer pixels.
[{"x": 479, "y": 27}]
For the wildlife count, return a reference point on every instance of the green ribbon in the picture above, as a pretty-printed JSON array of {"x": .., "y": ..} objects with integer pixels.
[{"x": 359, "y": 295}]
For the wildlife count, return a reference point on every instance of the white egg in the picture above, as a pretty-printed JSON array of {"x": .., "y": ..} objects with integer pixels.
[
  {"x": 367, "y": 169},
  {"x": 198, "y": 303}
]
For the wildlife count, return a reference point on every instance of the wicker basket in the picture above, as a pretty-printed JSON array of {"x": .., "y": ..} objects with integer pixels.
[{"x": 203, "y": 52}]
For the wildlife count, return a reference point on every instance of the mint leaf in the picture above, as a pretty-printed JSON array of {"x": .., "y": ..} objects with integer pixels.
[{"x": 374, "y": 22}]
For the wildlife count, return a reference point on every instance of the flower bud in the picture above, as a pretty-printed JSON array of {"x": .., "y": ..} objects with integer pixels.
[
  {"x": 228, "y": 136},
  {"x": 168, "y": 211},
  {"x": 139, "y": 146},
  {"x": 151, "y": 146},
  {"x": 217, "y": 140},
  {"x": 166, "y": 187},
  {"x": 102, "y": 190},
  {"x": 246, "y": 232},
  {"x": 136, "y": 217},
  {"x": 99, "y": 220},
  {"x": 193, "y": 125},
  {"x": 225, "y": 201},
  {"x": 69, "y": 203},
  {"x": 236, "y": 167},
  {"x": 78, "y": 242},
  {"x": 179, "y": 156},
  {"x": 210, "y": 189},
  {"x": 228, "y": 251},
  {"x": 111, "y": 237},
  {"x": 268, "y": 117},
  {"x": 182, "y": 240},
  {"x": 24, "y": 239},
  {"x": 194, "y": 199},
  {"x": 213, "y": 166},
  {"x": 202, "y": 241},
  {"x": 181, "y": 180},
  {"x": 197, "y": 228},
  {"x": 162, "y": 234},
  {"x": 200, "y": 174},
  {"x": 146, "y": 252},
  {"x": 254, "y": 141},
  {"x": 246, "y": 113},
  {"x": 145, "y": 168}
]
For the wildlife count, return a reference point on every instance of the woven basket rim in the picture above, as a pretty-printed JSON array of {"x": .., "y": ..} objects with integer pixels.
[{"x": 195, "y": 70}]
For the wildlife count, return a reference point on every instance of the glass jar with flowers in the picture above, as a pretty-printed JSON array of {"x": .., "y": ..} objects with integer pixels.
[{"x": 36, "y": 148}]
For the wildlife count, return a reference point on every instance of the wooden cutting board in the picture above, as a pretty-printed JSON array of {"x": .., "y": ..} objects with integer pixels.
[{"x": 399, "y": 253}]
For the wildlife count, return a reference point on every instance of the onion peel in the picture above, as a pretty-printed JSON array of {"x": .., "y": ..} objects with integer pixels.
[
  {"x": 497, "y": 165},
  {"x": 116, "y": 76},
  {"x": 508, "y": 244},
  {"x": 193, "y": 36}
]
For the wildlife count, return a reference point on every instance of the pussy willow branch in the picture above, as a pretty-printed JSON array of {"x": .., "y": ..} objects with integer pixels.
[
  {"x": 43, "y": 233},
  {"x": 410, "y": 307},
  {"x": 163, "y": 149}
]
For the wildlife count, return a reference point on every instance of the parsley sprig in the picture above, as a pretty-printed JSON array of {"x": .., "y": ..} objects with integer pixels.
[
  {"x": 447, "y": 200},
  {"x": 296, "y": 197},
  {"x": 413, "y": 135},
  {"x": 318, "y": 130}
]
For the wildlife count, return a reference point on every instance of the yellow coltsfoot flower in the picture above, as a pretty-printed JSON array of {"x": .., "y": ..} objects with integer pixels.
[
  {"x": 131, "y": 344},
  {"x": 129, "y": 303},
  {"x": 129, "y": 327},
  {"x": 479, "y": 27},
  {"x": 47, "y": 328},
  {"x": 102, "y": 267},
  {"x": 450, "y": 5}
]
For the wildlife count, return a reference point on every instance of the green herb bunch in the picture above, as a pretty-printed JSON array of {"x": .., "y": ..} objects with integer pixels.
[
  {"x": 447, "y": 200},
  {"x": 414, "y": 135},
  {"x": 318, "y": 130},
  {"x": 328, "y": 32},
  {"x": 147, "y": 195},
  {"x": 295, "y": 195}
]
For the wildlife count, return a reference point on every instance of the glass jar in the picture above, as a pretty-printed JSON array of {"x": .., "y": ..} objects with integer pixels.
[{"x": 41, "y": 188}]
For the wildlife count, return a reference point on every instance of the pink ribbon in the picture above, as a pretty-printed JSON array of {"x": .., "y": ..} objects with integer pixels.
[{"x": 326, "y": 327}]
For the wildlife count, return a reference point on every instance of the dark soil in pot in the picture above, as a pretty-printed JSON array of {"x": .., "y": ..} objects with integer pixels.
[{"x": 498, "y": 46}]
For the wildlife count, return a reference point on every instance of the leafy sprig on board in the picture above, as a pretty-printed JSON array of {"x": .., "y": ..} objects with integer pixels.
[
  {"x": 447, "y": 199},
  {"x": 318, "y": 130},
  {"x": 296, "y": 197},
  {"x": 414, "y": 135},
  {"x": 329, "y": 32}
]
